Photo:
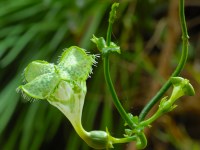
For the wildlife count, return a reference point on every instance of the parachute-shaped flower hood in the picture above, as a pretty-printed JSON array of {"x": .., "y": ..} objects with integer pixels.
[{"x": 62, "y": 85}]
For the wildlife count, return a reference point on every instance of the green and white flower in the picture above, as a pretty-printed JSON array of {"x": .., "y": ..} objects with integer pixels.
[{"x": 64, "y": 86}]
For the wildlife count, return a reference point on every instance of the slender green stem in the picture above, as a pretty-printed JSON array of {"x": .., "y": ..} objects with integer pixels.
[
  {"x": 116, "y": 101},
  {"x": 113, "y": 93},
  {"x": 179, "y": 68},
  {"x": 141, "y": 141},
  {"x": 123, "y": 140},
  {"x": 151, "y": 119},
  {"x": 108, "y": 37},
  {"x": 111, "y": 20}
]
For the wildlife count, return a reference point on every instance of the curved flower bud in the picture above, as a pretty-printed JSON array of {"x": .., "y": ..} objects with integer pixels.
[
  {"x": 99, "y": 139},
  {"x": 181, "y": 87}
]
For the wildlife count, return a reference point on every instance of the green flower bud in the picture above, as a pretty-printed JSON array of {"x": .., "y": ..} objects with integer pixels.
[
  {"x": 99, "y": 140},
  {"x": 181, "y": 87},
  {"x": 113, "y": 12}
]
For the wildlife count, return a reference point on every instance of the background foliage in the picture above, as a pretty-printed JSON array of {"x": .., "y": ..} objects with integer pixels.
[{"x": 148, "y": 32}]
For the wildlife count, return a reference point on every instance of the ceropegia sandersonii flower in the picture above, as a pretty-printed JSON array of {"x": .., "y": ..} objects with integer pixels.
[{"x": 63, "y": 85}]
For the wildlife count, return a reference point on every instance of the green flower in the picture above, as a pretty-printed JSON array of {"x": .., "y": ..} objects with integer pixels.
[
  {"x": 44, "y": 79},
  {"x": 181, "y": 87},
  {"x": 64, "y": 86}
]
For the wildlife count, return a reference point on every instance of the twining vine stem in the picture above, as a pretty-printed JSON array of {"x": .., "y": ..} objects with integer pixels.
[
  {"x": 108, "y": 78},
  {"x": 178, "y": 69},
  {"x": 157, "y": 97}
]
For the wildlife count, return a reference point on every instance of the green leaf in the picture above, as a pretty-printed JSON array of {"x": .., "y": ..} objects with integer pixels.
[
  {"x": 113, "y": 48},
  {"x": 103, "y": 48},
  {"x": 100, "y": 42}
]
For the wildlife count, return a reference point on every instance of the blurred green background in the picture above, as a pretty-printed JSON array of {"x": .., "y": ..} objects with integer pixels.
[{"x": 148, "y": 32}]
